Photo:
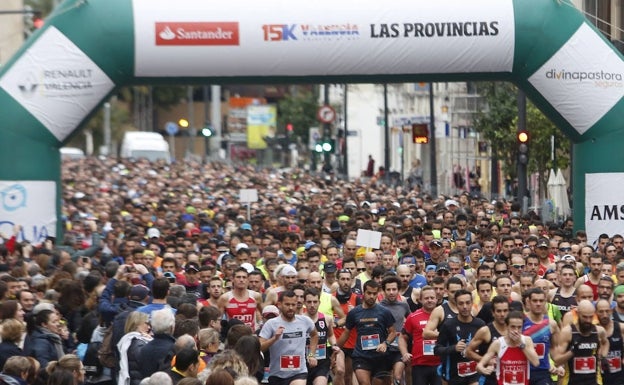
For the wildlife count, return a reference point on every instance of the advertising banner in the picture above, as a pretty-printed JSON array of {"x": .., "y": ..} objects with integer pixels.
[
  {"x": 31, "y": 204},
  {"x": 604, "y": 209},
  {"x": 261, "y": 122},
  {"x": 584, "y": 72},
  {"x": 57, "y": 83},
  {"x": 325, "y": 37}
]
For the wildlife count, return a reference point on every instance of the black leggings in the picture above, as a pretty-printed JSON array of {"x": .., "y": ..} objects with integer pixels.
[{"x": 425, "y": 375}]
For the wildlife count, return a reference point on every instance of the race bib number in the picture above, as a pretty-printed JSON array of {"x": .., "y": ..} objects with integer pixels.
[
  {"x": 584, "y": 365},
  {"x": 290, "y": 363},
  {"x": 369, "y": 342},
  {"x": 540, "y": 349},
  {"x": 465, "y": 369},
  {"x": 247, "y": 319},
  {"x": 321, "y": 351},
  {"x": 428, "y": 346},
  {"x": 615, "y": 364},
  {"x": 514, "y": 377}
]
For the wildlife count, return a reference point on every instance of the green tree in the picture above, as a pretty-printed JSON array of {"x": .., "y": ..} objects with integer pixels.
[
  {"x": 298, "y": 109},
  {"x": 541, "y": 130},
  {"x": 498, "y": 125},
  {"x": 496, "y": 122}
]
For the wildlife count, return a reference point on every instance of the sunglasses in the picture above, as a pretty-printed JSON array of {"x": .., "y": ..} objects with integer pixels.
[
  {"x": 361, "y": 270},
  {"x": 564, "y": 249},
  {"x": 301, "y": 280},
  {"x": 518, "y": 266},
  {"x": 502, "y": 272}
]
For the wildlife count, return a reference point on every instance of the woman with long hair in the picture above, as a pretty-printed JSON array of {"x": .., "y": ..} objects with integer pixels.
[
  {"x": 248, "y": 347},
  {"x": 138, "y": 334},
  {"x": 43, "y": 340},
  {"x": 69, "y": 363}
]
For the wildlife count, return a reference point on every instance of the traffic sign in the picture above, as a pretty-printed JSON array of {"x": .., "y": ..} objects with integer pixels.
[
  {"x": 326, "y": 114},
  {"x": 171, "y": 128}
]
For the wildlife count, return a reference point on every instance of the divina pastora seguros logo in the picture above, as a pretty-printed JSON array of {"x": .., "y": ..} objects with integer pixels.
[{"x": 601, "y": 78}]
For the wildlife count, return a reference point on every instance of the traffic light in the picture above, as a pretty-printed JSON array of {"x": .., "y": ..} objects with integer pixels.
[
  {"x": 183, "y": 123},
  {"x": 325, "y": 145},
  {"x": 420, "y": 133},
  {"x": 32, "y": 20},
  {"x": 207, "y": 131},
  {"x": 289, "y": 128},
  {"x": 523, "y": 147}
]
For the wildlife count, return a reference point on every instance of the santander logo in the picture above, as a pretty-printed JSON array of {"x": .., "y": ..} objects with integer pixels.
[{"x": 197, "y": 33}]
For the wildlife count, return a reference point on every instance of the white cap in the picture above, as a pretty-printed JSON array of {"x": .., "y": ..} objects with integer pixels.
[
  {"x": 247, "y": 266},
  {"x": 270, "y": 309},
  {"x": 286, "y": 271},
  {"x": 241, "y": 245},
  {"x": 153, "y": 233},
  {"x": 450, "y": 202}
]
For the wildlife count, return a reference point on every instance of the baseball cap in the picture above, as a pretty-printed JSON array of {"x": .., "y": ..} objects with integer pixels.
[
  {"x": 451, "y": 202},
  {"x": 543, "y": 242},
  {"x": 247, "y": 266},
  {"x": 473, "y": 247},
  {"x": 270, "y": 310},
  {"x": 245, "y": 226},
  {"x": 430, "y": 268},
  {"x": 330, "y": 267},
  {"x": 308, "y": 245},
  {"x": 241, "y": 246},
  {"x": 443, "y": 266},
  {"x": 568, "y": 258},
  {"x": 435, "y": 243},
  {"x": 334, "y": 226},
  {"x": 153, "y": 233},
  {"x": 138, "y": 293},
  {"x": 287, "y": 271},
  {"x": 191, "y": 266},
  {"x": 169, "y": 275}
]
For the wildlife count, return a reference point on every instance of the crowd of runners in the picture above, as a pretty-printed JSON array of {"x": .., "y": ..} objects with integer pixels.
[{"x": 164, "y": 276}]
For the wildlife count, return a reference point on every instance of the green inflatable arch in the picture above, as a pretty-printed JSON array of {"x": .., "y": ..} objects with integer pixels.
[{"x": 88, "y": 48}]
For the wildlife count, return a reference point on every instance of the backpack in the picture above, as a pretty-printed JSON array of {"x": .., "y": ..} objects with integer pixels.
[
  {"x": 106, "y": 350},
  {"x": 91, "y": 361}
]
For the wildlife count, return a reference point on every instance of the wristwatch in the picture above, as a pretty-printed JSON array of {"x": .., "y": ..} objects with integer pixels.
[{"x": 522, "y": 345}]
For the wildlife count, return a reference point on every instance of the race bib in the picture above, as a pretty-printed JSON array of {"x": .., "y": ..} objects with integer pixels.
[
  {"x": 465, "y": 369},
  {"x": 615, "y": 364},
  {"x": 265, "y": 376},
  {"x": 290, "y": 363},
  {"x": 428, "y": 346},
  {"x": 584, "y": 365},
  {"x": 513, "y": 377},
  {"x": 321, "y": 351},
  {"x": 540, "y": 349},
  {"x": 395, "y": 341},
  {"x": 369, "y": 342},
  {"x": 247, "y": 319}
]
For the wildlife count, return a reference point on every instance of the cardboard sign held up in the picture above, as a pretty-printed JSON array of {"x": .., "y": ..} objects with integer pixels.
[
  {"x": 248, "y": 195},
  {"x": 368, "y": 238}
]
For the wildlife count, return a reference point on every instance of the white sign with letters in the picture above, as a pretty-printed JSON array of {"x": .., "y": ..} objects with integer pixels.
[
  {"x": 604, "y": 207},
  {"x": 30, "y": 204}
]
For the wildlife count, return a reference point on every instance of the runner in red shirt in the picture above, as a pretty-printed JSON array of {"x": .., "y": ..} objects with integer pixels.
[
  {"x": 513, "y": 353},
  {"x": 424, "y": 362}
]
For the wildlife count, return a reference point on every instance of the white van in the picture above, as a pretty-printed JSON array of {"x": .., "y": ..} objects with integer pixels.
[
  {"x": 141, "y": 144},
  {"x": 71, "y": 153}
]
